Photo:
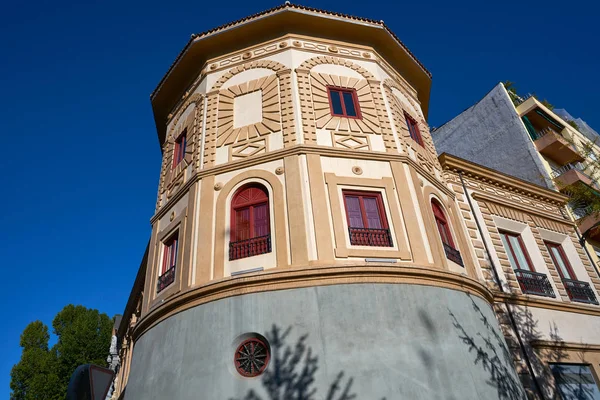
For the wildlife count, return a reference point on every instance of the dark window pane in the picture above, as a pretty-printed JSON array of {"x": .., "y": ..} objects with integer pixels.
[
  {"x": 336, "y": 102},
  {"x": 575, "y": 382},
  {"x": 349, "y": 103}
]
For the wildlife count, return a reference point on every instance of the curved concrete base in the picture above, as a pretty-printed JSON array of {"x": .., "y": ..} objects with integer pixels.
[{"x": 392, "y": 341}]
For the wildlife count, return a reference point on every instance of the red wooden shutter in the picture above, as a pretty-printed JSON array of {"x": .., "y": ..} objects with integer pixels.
[
  {"x": 353, "y": 209},
  {"x": 261, "y": 220},
  {"x": 372, "y": 213}
]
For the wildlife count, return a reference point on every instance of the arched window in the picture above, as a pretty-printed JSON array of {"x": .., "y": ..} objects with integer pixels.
[
  {"x": 250, "y": 225},
  {"x": 442, "y": 224}
]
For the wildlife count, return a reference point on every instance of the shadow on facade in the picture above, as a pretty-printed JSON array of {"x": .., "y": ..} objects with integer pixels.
[
  {"x": 492, "y": 355},
  {"x": 292, "y": 371}
]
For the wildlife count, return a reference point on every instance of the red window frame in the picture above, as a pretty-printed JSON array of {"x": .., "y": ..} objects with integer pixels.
[
  {"x": 413, "y": 129},
  {"x": 564, "y": 258},
  {"x": 337, "y": 91},
  {"x": 170, "y": 248},
  {"x": 523, "y": 249},
  {"x": 380, "y": 209},
  {"x": 180, "y": 145},
  {"x": 239, "y": 204},
  {"x": 442, "y": 224}
]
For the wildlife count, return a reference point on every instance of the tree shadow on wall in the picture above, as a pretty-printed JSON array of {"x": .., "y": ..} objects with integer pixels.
[
  {"x": 494, "y": 357},
  {"x": 291, "y": 373}
]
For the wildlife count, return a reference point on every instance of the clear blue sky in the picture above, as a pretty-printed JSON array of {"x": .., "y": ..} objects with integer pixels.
[{"x": 80, "y": 157}]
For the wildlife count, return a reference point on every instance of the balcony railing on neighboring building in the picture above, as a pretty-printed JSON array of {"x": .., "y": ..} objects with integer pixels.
[
  {"x": 370, "y": 237},
  {"x": 249, "y": 247},
  {"x": 165, "y": 279},
  {"x": 534, "y": 283},
  {"x": 567, "y": 167},
  {"x": 453, "y": 255},
  {"x": 580, "y": 291},
  {"x": 543, "y": 132}
]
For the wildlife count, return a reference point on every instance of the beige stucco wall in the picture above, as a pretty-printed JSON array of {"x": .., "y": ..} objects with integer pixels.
[{"x": 308, "y": 223}]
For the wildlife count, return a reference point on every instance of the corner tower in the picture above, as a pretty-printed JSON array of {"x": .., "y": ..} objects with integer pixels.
[{"x": 302, "y": 207}]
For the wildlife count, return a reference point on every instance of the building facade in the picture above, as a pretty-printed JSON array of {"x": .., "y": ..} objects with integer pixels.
[
  {"x": 524, "y": 138},
  {"x": 545, "y": 286},
  {"x": 308, "y": 243}
]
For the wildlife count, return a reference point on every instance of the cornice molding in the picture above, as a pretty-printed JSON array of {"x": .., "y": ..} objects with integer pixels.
[
  {"x": 521, "y": 207},
  {"x": 529, "y": 301},
  {"x": 504, "y": 181},
  {"x": 299, "y": 150},
  {"x": 286, "y": 278},
  {"x": 550, "y": 344}
]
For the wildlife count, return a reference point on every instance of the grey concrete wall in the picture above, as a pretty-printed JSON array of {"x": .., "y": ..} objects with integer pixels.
[
  {"x": 389, "y": 341},
  {"x": 492, "y": 134}
]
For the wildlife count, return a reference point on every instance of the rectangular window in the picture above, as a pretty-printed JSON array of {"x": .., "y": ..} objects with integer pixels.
[
  {"x": 343, "y": 102},
  {"x": 575, "y": 382},
  {"x": 560, "y": 261},
  {"x": 169, "y": 261},
  {"x": 413, "y": 129},
  {"x": 367, "y": 223},
  {"x": 515, "y": 249},
  {"x": 180, "y": 144}
]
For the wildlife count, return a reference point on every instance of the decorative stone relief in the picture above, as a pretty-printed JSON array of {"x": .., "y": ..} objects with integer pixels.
[
  {"x": 369, "y": 123},
  {"x": 425, "y": 155},
  {"x": 277, "y": 113},
  {"x": 172, "y": 177},
  {"x": 227, "y": 132}
]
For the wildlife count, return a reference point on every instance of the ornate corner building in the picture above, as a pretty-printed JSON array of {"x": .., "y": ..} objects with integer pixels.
[{"x": 307, "y": 241}]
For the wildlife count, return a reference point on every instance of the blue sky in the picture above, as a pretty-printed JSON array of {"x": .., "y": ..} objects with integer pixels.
[{"x": 81, "y": 159}]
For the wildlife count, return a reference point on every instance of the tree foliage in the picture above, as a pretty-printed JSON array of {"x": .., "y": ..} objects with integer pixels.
[{"x": 43, "y": 373}]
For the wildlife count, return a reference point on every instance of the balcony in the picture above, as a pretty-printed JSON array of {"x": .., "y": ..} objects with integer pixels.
[
  {"x": 534, "y": 283},
  {"x": 580, "y": 291},
  {"x": 249, "y": 247},
  {"x": 370, "y": 237},
  {"x": 588, "y": 221},
  {"x": 554, "y": 146},
  {"x": 571, "y": 174},
  {"x": 453, "y": 255},
  {"x": 165, "y": 279}
]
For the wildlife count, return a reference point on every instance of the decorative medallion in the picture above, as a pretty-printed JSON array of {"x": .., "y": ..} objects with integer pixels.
[
  {"x": 357, "y": 170},
  {"x": 172, "y": 217},
  {"x": 279, "y": 170},
  {"x": 218, "y": 186},
  {"x": 251, "y": 357}
]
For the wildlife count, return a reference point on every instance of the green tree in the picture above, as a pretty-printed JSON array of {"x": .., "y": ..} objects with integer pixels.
[
  {"x": 547, "y": 104},
  {"x": 34, "y": 377},
  {"x": 83, "y": 337}
]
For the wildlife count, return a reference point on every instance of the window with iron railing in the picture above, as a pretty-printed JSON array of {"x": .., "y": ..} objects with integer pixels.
[
  {"x": 530, "y": 281},
  {"x": 169, "y": 262},
  {"x": 250, "y": 222},
  {"x": 578, "y": 291},
  {"x": 443, "y": 227},
  {"x": 367, "y": 222}
]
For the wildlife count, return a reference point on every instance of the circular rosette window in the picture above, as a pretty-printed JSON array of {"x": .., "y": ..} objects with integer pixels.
[{"x": 251, "y": 357}]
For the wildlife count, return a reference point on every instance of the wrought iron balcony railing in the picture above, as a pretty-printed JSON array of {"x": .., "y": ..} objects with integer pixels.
[
  {"x": 370, "y": 237},
  {"x": 453, "y": 255},
  {"x": 165, "y": 279},
  {"x": 580, "y": 291},
  {"x": 567, "y": 167},
  {"x": 534, "y": 283},
  {"x": 249, "y": 247},
  {"x": 543, "y": 132}
]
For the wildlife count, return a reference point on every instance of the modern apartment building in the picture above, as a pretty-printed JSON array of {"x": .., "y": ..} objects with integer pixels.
[
  {"x": 525, "y": 139},
  {"x": 308, "y": 243}
]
